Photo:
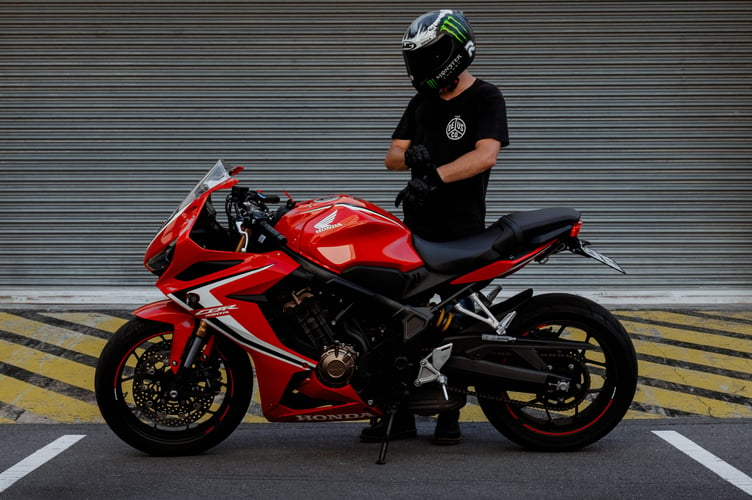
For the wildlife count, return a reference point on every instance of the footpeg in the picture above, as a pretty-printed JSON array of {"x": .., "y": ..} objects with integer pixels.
[
  {"x": 486, "y": 316},
  {"x": 430, "y": 366},
  {"x": 501, "y": 329}
]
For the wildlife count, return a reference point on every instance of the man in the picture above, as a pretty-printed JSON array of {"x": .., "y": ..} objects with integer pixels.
[{"x": 448, "y": 137}]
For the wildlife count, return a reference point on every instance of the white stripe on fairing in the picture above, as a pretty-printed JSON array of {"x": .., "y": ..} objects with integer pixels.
[
  {"x": 368, "y": 210},
  {"x": 207, "y": 299}
]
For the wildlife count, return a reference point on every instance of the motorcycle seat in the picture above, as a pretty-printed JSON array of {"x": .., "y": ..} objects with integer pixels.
[
  {"x": 536, "y": 227},
  {"x": 455, "y": 256},
  {"x": 499, "y": 241}
]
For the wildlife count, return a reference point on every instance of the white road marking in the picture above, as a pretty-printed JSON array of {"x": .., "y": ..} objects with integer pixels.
[
  {"x": 37, "y": 459},
  {"x": 704, "y": 457}
]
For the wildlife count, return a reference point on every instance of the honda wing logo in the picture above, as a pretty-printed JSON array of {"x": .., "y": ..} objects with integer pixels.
[{"x": 325, "y": 224}]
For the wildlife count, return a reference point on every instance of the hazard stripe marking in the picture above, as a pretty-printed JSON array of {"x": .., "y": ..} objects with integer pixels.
[
  {"x": 745, "y": 316},
  {"x": 51, "y": 334},
  {"x": 689, "y": 362},
  {"x": 691, "y": 322},
  {"x": 724, "y": 386},
  {"x": 47, "y": 403},
  {"x": 691, "y": 338},
  {"x": 739, "y": 364},
  {"x": 96, "y": 321},
  {"x": 37, "y": 362}
]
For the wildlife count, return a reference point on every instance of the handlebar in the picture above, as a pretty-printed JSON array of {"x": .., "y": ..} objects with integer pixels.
[
  {"x": 263, "y": 198},
  {"x": 249, "y": 209},
  {"x": 267, "y": 229}
]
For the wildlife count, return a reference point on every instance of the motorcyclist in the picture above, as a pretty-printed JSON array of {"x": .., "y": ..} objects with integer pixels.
[{"x": 449, "y": 138}]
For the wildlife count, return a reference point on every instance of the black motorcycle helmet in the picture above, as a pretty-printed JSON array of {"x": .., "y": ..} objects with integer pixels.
[{"x": 437, "y": 47}]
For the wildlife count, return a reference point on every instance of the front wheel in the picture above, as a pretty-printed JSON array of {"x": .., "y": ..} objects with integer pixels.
[
  {"x": 603, "y": 377},
  {"x": 157, "y": 412}
]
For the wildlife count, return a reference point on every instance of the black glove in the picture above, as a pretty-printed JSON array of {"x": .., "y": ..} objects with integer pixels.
[
  {"x": 416, "y": 191},
  {"x": 418, "y": 159}
]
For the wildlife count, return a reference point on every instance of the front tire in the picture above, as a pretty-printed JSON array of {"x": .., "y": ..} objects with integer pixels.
[
  {"x": 604, "y": 378},
  {"x": 149, "y": 408}
]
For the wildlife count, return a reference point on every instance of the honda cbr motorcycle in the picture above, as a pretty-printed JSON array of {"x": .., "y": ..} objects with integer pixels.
[{"x": 346, "y": 315}]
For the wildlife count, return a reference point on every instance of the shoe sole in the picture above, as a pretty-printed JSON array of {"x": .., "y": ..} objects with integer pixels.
[{"x": 446, "y": 441}]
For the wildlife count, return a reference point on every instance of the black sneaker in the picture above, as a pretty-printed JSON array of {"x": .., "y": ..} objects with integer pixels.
[
  {"x": 403, "y": 427},
  {"x": 447, "y": 429}
]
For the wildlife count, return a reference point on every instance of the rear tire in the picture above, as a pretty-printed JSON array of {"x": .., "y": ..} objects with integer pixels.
[
  {"x": 148, "y": 408},
  {"x": 604, "y": 378}
]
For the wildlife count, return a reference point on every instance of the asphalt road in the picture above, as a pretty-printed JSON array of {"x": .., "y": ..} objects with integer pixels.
[{"x": 326, "y": 461}]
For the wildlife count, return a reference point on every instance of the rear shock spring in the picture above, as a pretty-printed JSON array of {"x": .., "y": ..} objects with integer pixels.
[{"x": 444, "y": 321}]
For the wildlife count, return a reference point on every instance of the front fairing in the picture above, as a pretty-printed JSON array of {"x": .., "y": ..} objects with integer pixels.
[{"x": 160, "y": 251}]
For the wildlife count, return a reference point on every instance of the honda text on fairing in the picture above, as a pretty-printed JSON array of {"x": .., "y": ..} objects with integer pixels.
[{"x": 348, "y": 316}]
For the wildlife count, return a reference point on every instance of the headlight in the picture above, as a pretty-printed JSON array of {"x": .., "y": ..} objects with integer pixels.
[{"x": 160, "y": 262}]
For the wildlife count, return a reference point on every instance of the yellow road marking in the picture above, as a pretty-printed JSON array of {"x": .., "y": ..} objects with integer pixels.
[
  {"x": 50, "y": 404},
  {"x": 701, "y": 339},
  {"x": 692, "y": 378},
  {"x": 93, "y": 319},
  {"x": 701, "y": 380},
  {"x": 61, "y": 337},
  {"x": 254, "y": 419},
  {"x": 695, "y": 356},
  {"x": 688, "y": 321},
  {"x": 472, "y": 413},
  {"x": 743, "y": 315},
  {"x": 690, "y": 403},
  {"x": 61, "y": 369},
  {"x": 638, "y": 415}
]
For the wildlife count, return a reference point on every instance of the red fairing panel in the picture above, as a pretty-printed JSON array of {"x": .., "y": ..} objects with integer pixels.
[
  {"x": 181, "y": 222},
  {"x": 166, "y": 311},
  {"x": 223, "y": 306},
  {"x": 342, "y": 232},
  {"x": 499, "y": 268}
]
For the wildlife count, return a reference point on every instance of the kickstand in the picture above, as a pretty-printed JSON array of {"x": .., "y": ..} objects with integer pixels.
[{"x": 385, "y": 442}]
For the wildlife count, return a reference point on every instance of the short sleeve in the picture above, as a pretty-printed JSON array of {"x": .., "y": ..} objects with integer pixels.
[
  {"x": 492, "y": 123},
  {"x": 407, "y": 126}
]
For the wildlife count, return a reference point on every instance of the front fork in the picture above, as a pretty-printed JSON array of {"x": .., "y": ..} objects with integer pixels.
[
  {"x": 197, "y": 344},
  {"x": 192, "y": 338}
]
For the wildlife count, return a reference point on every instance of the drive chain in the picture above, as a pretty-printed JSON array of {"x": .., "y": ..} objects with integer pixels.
[{"x": 531, "y": 404}]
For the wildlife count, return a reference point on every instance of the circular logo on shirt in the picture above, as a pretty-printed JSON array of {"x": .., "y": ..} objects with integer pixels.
[{"x": 455, "y": 129}]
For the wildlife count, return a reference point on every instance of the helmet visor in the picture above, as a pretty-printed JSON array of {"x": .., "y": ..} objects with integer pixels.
[{"x": 426, "y": 62}]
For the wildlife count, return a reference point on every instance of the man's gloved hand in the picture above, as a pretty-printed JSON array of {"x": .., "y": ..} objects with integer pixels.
[
  {"x": 416, "y": 191},
  {"x": 418, "y": 159},
  {"x": 425, "y": 176}
]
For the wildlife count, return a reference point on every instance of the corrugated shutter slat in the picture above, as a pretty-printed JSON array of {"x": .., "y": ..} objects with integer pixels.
[{"x": 637, "y": 113}]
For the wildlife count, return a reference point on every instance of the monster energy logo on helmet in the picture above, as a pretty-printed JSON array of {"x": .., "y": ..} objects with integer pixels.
[
  {"x": 455, "y": 28},
  {"x": 427, "y": 28}
]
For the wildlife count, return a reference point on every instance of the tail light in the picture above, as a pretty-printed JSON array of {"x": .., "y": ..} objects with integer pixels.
[{"x": 576, "y": 229}]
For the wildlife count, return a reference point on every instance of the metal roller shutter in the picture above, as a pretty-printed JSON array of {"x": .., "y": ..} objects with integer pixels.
[{"x": 636, "y": 113}]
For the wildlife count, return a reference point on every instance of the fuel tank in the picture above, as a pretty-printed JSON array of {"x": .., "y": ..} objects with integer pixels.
[{"x": 341, "y": 232}]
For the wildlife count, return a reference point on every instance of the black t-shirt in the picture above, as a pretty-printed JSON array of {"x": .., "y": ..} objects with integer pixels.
[{"x": 449, "y": 129}]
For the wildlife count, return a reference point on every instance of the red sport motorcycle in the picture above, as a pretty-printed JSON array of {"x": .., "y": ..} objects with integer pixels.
[{"x": 346, "y": 315}]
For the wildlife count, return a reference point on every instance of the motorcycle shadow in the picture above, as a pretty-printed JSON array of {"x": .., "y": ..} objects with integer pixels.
[
  {"x": 334, "y": 443},
  {"x": 312, "y": 460}
]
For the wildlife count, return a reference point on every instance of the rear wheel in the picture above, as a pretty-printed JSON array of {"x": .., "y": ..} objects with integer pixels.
[
  {"x": 157, "y": 412},
  {"x": 603, "y": 378}
]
